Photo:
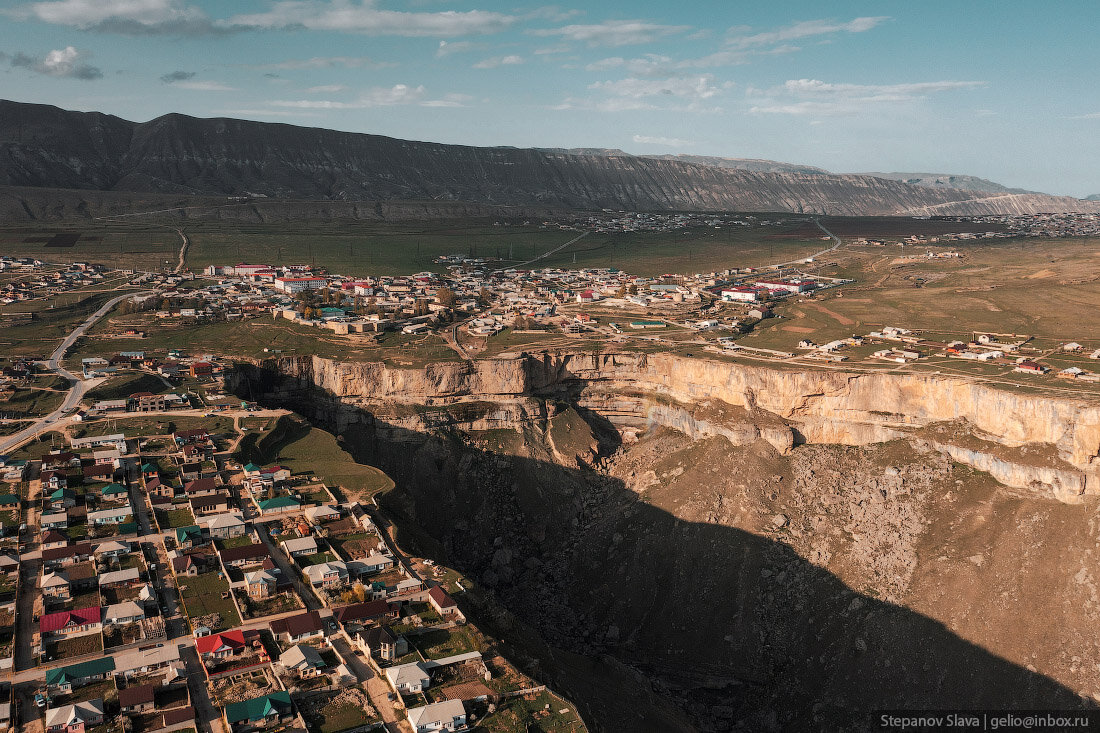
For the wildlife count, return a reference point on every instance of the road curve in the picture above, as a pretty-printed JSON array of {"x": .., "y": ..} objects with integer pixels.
[{"x": 77, "y": 386}]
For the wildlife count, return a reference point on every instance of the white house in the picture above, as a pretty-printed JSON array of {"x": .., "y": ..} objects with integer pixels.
[
  {"x": 123, "y": 613},
  {"x": 408, "y": 677},
  {"x": 303, "y": 660},
  {"x": 447, "y": 715},
  {"x": 300, "y": 546}
]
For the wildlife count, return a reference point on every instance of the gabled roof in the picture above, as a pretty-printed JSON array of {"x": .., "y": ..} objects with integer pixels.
[
  {"x": 73, "y": 672},
  {"x": 190, "y": 532},
  {"x": 258, "y": 707},
  {"x": 441, "y": 598},
  {"x": 61, "y": 619},
  {"x": 126, "y": 609},
  {"x": 72, "y": 714},
  {"x": 362, "y": 611},
  {"x": 138, "y": 695},
  {"x": 60, "y": 553},
  {"x": 437, "y": 712},
  {"x": 200, "y": 484},
  {"x": 113, "y": 490},
  {"x": 233, "y": 639},
  {"x": 279, "y": 502},
  {"x": 245, "y": 552},
  {"x": 300, "y": 654},
  {"x": 52, "y": 535},
  {"x": 303, "y": 623}
]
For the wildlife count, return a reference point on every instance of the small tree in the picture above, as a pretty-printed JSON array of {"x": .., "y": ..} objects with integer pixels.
[{"x": 445, "y": 297}]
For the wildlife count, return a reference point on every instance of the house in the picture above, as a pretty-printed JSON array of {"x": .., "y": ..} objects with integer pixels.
[
  {"x": 381, "y": 642},
  {"x": 327, "y": 574},
  {"x": 300, "y": 546},
  {"x": 60, "y": 461},
  {"x": 55, "y": 520},
  {"x": 253, "y": 554},
  {"x": 9, "y": 501},
  {"x": 80, "y": 621},
  {"x": 279, "y": 505},
  {"x": 1030, "y": 367},
  {"x": 374, "y": 563},
  {"x": 113, "y": 492},
  {"x": 53, "y": 539},
  {"x": 275, "y": 474},
  {"x": 125, "y": 577},
  {"x": 56, "y": 585},
  {"x": 75, "y": 718},
  {"x": 444, "y": 605},
  {"x": 190, "y": 437},
  {"x": 224, "y": 526},
  {"x": 220, "y": 646},
  {"x": 201, "y": 487},
  {"x": 110, "y": 516},
  {"x": 303, "y": 660},
  {"x": 189, "y": 536},
  {"x": 149, "y": 659},
  {"x": 447, "y": 715},
  {"x": 299, "y": 628},
  {"x": 207, "y": 505},
  {"x": 62, "y": 499},
  {"x": 364, "y": 613},
  {"x": 126, "y": 612},
  {"x": 67, "y": 555},
  {"x": 322, "y": 514},
  {"x": 81, "y": 575},
  {"x": 99, "y": 472},
  {"x": 111, "y": 549},
  {"x": 259, "y": 712},
  {"x": 66, "y": 679},
  {"x": 408, "y": 678},
  {"x": 260, "y": 584},
  {"x": 138, "y": 699}
]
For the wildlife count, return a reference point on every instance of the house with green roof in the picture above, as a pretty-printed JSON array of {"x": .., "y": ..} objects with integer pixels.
[
  {"x": 189, "y": 536},
  {"x": 62, "y": 499},
  {"x": 114, "y": 492},
  {"x": 9, "y": 500},
  {"x": 279, "y": 504},
  {"x": 66, "y": 679},
  {"x": 259, "y": 711}
]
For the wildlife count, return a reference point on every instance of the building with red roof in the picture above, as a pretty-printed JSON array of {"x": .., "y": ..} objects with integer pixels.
[
  {"x": 70, "y": 622},
  {"x": 219, "y": 646}
]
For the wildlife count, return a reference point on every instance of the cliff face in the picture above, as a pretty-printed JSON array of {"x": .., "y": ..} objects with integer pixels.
[
  {"x": 1049, "y": 445},
  {"x": 176, "y": 154}
]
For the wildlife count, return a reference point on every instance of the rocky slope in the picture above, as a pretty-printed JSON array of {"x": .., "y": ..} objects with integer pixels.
[
  {"x": 949, "y": 180},
  {"x": 974, "y": 424},
  {"x": 693, "y": 545},
  {"x": 44, "y": 146}
]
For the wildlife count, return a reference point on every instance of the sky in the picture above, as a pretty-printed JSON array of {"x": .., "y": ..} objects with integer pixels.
[{"x": 1003, "y": 90}]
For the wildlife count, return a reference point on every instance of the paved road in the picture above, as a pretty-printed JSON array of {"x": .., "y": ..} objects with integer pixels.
[
  {"x": 815, "y": 255},
  {"x": 77, "y": 386}
]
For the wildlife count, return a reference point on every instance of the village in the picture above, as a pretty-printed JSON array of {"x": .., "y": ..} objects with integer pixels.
[{"x": 155, "y": 581}]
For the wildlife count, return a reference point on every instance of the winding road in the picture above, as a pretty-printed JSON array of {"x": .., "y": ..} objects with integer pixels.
[
  {"x": 815, "y": 255},
  {"x": 77, "y": 386}
]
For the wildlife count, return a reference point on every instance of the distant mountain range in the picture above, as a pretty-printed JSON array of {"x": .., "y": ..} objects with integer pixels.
[
  {"x": 1093, "y": 197},
  {"x": 47, "y": 147},
  {"x": 949, "y": 180}
]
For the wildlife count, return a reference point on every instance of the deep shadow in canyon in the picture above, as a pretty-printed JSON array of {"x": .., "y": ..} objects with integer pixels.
[{"x": 647, "y": 621}]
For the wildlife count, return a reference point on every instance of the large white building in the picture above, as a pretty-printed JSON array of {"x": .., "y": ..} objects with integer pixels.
[{"x": 298, "y": 284}]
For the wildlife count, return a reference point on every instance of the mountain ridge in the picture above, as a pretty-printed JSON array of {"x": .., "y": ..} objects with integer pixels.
[{"x": 48, "y": 147}]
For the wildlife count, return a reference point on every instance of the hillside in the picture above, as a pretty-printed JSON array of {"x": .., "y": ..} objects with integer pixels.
[
  {"x": 949, "y": 180},
  {"x": 44, "y": 146}
]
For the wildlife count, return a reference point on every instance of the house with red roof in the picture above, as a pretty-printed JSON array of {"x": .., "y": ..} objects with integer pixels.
[
  {"x": 443, "y": 604},
  {"x": 82, "y": 620},
  {"x": 221, "y": 646}
]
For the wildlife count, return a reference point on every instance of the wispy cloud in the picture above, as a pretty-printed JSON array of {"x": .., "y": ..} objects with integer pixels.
[
  {"x": 376, "y": 97},
  {"x": 62, "y": 62},
  {"x": 815, "y": 97},
  {"x": 686, "y": 93},
  {"x": 614, "y": 32},
  {"x": 326, "y": 89},
  {"x": 803, "y": 29},
  {"x": 496, "y": 61},
  {"x": 449, "y": 100},
  {"x": 667, "y": 142},
  {"x": 177, "y": 76},
  {"x": 322, "y": 62},
  {"x": 448, "y": 48},
  {"x": 1086, "y": 116},
  {"x": 363, "y": 16},
  {"x": 204, "y": 86},
  {"x": 127, "y": 17}
]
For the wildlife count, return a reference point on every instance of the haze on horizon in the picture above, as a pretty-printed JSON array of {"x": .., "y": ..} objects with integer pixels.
[{"x": 997, "y": 90}]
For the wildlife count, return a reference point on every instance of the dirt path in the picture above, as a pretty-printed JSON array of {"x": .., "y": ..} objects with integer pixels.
[{"x": 183, "y": 251}]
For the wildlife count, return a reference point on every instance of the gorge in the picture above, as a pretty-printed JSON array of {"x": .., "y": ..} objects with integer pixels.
[{"x": 680, "y": 543}]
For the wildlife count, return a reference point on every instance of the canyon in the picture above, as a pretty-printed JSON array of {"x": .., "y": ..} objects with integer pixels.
[{"x": 682, "y": 543}]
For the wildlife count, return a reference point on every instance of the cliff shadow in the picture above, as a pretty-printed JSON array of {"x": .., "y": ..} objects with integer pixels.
[{"x": 650, "y": 622}]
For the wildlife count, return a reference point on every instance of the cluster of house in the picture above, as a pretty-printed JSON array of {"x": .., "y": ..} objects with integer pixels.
[{"x": 42, "y": 280}]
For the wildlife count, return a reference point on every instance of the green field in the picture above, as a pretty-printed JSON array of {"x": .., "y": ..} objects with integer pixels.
[
  {"x": 203, "y": 595},
  {"x": 136, "y": 244},
  {"x": 304, "y": 449}
]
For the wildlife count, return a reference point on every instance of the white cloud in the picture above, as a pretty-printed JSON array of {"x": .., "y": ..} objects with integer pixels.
[
  {"x": 447, "y": 48},
  {"x": 668, "y": 142},
  {"x": 323, "y": 62},
  {"x": 326, "y": 89},
  {"x": 696, "y": 88},
  {"x": 804, "y": 29},
  {"x": 132, "y": 17},
  {"x": 204, "y": 86},
  {"x": 815, "y": 97},
  {"x": 614, "y": 32},
  {"x": 376, "y": 97},
  {"x": 499, "y": 61},
  {"x": 449, "y": 100},
  {"x": 362, "y": 16},
  {"x": 1086, "y": 116},
  {"x": 62, "y": 62}
]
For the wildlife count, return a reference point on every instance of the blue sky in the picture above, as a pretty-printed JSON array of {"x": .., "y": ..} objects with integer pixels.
[{"x": 1004, "y": 90}]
